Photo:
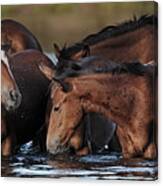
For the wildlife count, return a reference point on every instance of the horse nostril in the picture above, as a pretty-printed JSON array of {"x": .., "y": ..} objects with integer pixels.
[{"x": 14, "y": 95}]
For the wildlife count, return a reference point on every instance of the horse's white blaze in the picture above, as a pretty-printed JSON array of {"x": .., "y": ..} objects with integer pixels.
[{"x": 4, "y": 58}]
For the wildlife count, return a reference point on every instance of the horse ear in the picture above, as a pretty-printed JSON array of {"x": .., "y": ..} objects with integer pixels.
[
  {"x": 57, "y": 50},
  {"x": 47, "y": 71},
  {"x": 83, "y": 53}
]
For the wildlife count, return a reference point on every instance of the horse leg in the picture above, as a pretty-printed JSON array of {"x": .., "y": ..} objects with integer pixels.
[
  {"x": 6, "y": 146},
  {"x": 133, "y": 141},
  {"x": 150, "y": 152},
  {"x": 125, "y": 142},
  {"x": 6, "y": 139}
]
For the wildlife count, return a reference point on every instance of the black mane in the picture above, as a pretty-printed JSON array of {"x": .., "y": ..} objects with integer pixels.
[
  {"x": 109, "y": 31},
  {"x": 135, "y": 68}
]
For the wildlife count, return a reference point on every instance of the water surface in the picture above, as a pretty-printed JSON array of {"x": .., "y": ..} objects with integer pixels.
[{"x": 28, "y": 162}]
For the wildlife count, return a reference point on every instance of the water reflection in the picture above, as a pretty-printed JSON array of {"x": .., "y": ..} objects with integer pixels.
[{"x": 30, "y": 163}]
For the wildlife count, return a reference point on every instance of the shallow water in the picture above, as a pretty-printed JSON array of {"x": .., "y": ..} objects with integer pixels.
[{"x": 30, "y": 163}]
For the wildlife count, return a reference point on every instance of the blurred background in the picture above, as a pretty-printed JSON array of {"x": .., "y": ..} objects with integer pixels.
[{"x": 69, "y": 23}]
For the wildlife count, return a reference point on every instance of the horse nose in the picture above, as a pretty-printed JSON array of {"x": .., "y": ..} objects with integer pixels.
[
  {"x": 53, "y": 146},
  {"x": 15, "y": 96}
]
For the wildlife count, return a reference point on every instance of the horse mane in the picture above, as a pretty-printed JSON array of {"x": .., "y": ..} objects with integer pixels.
[
  {"x": 135, "y": 68},
  {"x": 110, "y": 31}
]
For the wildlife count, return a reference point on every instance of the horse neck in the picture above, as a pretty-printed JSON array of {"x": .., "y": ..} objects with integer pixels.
[
  {"x": 114, "y": 97},
  {"x": 128, "y": 46}
]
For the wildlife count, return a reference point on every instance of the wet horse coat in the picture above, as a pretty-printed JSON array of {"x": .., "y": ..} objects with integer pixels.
[
  {"x": 29, "y": 117},
  {"x": 125, "y": 99},
  {"x": 10, "y": 100}
]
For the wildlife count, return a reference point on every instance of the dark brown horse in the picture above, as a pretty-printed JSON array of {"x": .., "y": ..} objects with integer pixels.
[
  {"x": 10, "y": 94},
  {"x": 10, "y": 99},
  {"x": 132, "y": 40},
  {"x": 126, "y": 98},
  {"x": 17, "y": 37},
  {"x": 24, "y": 122}
]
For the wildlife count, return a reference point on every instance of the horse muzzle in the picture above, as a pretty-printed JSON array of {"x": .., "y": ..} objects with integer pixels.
[
  {"x": 55, "y": 147},
  {"x": 14, "y": 100}
]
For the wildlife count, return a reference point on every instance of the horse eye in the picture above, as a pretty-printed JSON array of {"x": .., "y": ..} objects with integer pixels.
[{"x": 56, "y": 108}]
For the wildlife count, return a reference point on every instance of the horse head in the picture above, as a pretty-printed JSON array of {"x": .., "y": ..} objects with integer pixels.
[
  {"x": 60, "y": 136},
  {"x": 10, "y": 96}
]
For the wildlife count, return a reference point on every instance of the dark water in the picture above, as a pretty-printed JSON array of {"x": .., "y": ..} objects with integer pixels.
[{"x": 28, "y": 163}]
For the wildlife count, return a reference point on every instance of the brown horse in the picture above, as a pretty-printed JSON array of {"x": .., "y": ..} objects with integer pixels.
[
  {"x": 132, "y": 40},
  {"x": 10, "y": 99},
  {"x": 98, "y": 136},
  {"x": 17, "y": 37},
  {"x": 126, "y": 42},
  {"x": 126, "y": 98},
  {"x": 25, "y": 121},
  {"x": 10, "y": 94}
]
